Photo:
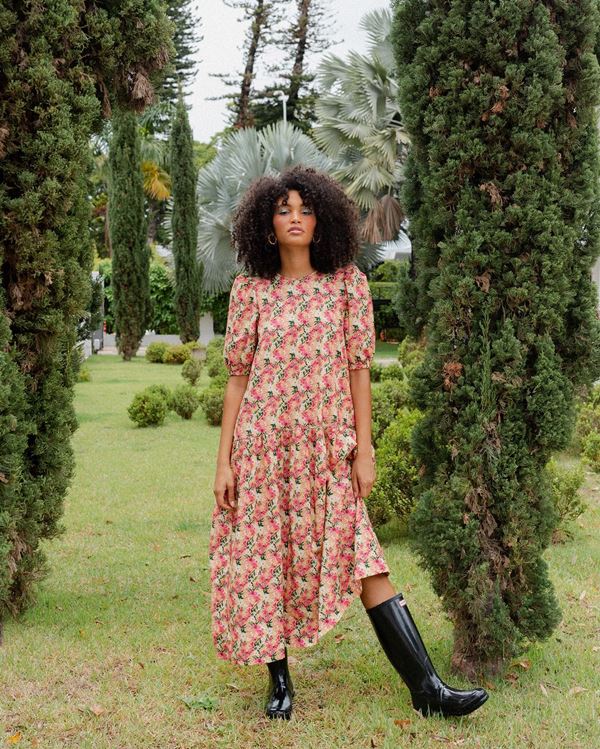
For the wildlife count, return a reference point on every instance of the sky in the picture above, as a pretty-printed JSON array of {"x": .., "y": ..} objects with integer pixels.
[{"x": 221, "y": 52}]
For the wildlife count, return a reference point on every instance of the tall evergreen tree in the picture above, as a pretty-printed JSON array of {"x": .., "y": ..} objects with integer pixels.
[
  {"x": 502, "y": 191},
  {"x": 60, "y": 70},
  {"x": 184, "y": 223},
  {"x": 261, "y": 16},
  {"x": 310, "y": 33},
  {"x": 131, "y": 255}
]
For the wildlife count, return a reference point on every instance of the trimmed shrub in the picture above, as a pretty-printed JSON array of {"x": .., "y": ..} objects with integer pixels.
[
  {"x": 155, "y": 351},
  {"x": 148, "y": 408},
  {"x": 393, "y": 493},
  {"x": 568, "y": 502},
  {"x": 84, "y": 374},
  {"x": 211, "y": 400},
  {"x": 162, "y": 390},
  {"x": 177, "y": 354},
  {"x": 191, "y": 370},
  {"x": 184, "y": 401}
]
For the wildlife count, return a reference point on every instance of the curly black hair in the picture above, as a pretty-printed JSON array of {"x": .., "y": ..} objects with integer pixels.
[{"x": 336, "y": 230}]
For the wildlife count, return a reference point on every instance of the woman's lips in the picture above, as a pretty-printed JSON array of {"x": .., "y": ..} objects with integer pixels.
[{"x": 295, "y": 231}]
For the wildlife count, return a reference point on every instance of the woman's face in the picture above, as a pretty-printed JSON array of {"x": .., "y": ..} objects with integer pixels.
[{"x": 293, "y": 222}]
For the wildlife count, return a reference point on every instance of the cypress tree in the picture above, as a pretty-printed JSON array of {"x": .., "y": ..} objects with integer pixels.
[
  {"x": 131, "y": 255},
  {"x": 60, "y": 70},
  {"x": 188, "y": 280},
  {"x": 502, "y": 195}
]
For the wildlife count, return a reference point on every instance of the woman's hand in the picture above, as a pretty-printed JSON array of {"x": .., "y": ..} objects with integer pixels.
[
  {"x": 224, "y": 487},
  {"x": 363, "y": 473}
]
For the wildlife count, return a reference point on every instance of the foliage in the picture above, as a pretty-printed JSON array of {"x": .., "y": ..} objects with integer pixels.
[
  {"x": 568, "y": 502},
  {"x": 131, "y": 258},
  {"x": 61, "y": 71},
  {"x": 590, "y": 451},
  {"x": 184, "y": 400},
  {"x": 386, "y": 400},
  {"x": 393, "y": 372},
  {"x": 148, "y": 408},
  {"x": 211, "y": 400},
  {"x": 184, "y": 225},
  {"x": 388, "y": 270},
  {"x": 393, "y": 494},
  {"x": 177, "y": 353},
  {"x": 502, "y": 189},
  {"x": 163, "y": 319},
  {"x": 155, "y": 351},
  {"x": 192, "y": 370}
]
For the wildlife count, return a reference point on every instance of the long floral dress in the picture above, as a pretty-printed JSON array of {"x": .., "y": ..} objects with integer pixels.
[{"x": 287, "y": 562}]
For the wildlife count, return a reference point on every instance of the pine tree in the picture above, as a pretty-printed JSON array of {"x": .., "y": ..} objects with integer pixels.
[
  {"x": 131, "y": 255},
  {"x": 261, "y": 16},
  {"x": 502, "y": 192},
  {"x": 310, "y": 34},
  {"x": 60, "y": 70},
  {"x": 184, "y": 221}
]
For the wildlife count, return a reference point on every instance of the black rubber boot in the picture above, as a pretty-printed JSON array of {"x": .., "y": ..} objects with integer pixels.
[
  {"x": 402, "y": 643},
  {"x": 281, "y": 690}
]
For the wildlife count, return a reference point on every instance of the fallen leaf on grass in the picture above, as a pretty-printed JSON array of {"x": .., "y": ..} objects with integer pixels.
[
  {"x": 15, "y": 738},
  {"x": 193, "y": 579},
  {"x": 97, "y": 710},
  {"x": 544, "y": 690},
  {"x": 403, "y": 722},
  {"x": 577, "y": 690},
  {"x": 231, "y": 685},
  {"x": 525, "y": 665},
  {"x": 201, "y": 700},
  {"x": 339, "y": 638}
]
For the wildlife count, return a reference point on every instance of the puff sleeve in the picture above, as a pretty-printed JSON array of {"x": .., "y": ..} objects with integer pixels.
[
  {"x": 359, "y": 325},
  {"x": 241, "y": 332}
]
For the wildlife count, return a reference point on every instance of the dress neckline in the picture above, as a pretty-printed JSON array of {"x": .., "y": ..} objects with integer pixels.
[{"x": 301, "y": 278}]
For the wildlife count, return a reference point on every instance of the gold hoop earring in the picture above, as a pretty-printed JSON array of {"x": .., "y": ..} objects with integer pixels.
[{"x": 274, "y": 242}]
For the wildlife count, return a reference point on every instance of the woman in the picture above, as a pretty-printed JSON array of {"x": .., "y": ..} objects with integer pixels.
[{"x": 291, "y": 542}]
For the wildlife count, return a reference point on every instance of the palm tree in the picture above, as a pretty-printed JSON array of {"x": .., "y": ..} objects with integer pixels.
[{"x": 359, "y": 127}]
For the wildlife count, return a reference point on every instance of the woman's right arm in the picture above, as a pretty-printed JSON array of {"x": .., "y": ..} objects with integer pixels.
[
  {"x": 224, "y": 487},
  {"x": 241, "y": 337}
]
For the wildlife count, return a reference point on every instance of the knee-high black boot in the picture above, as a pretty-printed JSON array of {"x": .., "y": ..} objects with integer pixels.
[
  {"x": 281, "y": 689},
  {"x": 404, "y": 647}
]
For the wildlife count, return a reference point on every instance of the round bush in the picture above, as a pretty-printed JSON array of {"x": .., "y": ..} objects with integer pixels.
[
  {"x": 184, "y": 401},
  {"x": 212, "y": 403},
  {"x": 155, "y": 351},
  {"x": 147, "y": 409},
  {"x": 162, "y": 390},
  {"x": 191, "y": 370},
  {"x": 177, "y": 354}
]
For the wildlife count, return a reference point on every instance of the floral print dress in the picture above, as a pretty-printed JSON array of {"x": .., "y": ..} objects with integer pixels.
[{"x": 287, "y": 562}]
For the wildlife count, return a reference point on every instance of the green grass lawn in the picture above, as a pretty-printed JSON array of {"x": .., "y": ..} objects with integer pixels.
[{"x": 120, "y": 636}]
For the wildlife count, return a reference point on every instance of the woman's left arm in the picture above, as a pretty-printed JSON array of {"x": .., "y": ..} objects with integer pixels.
[{"x": 363, "y": 466}]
